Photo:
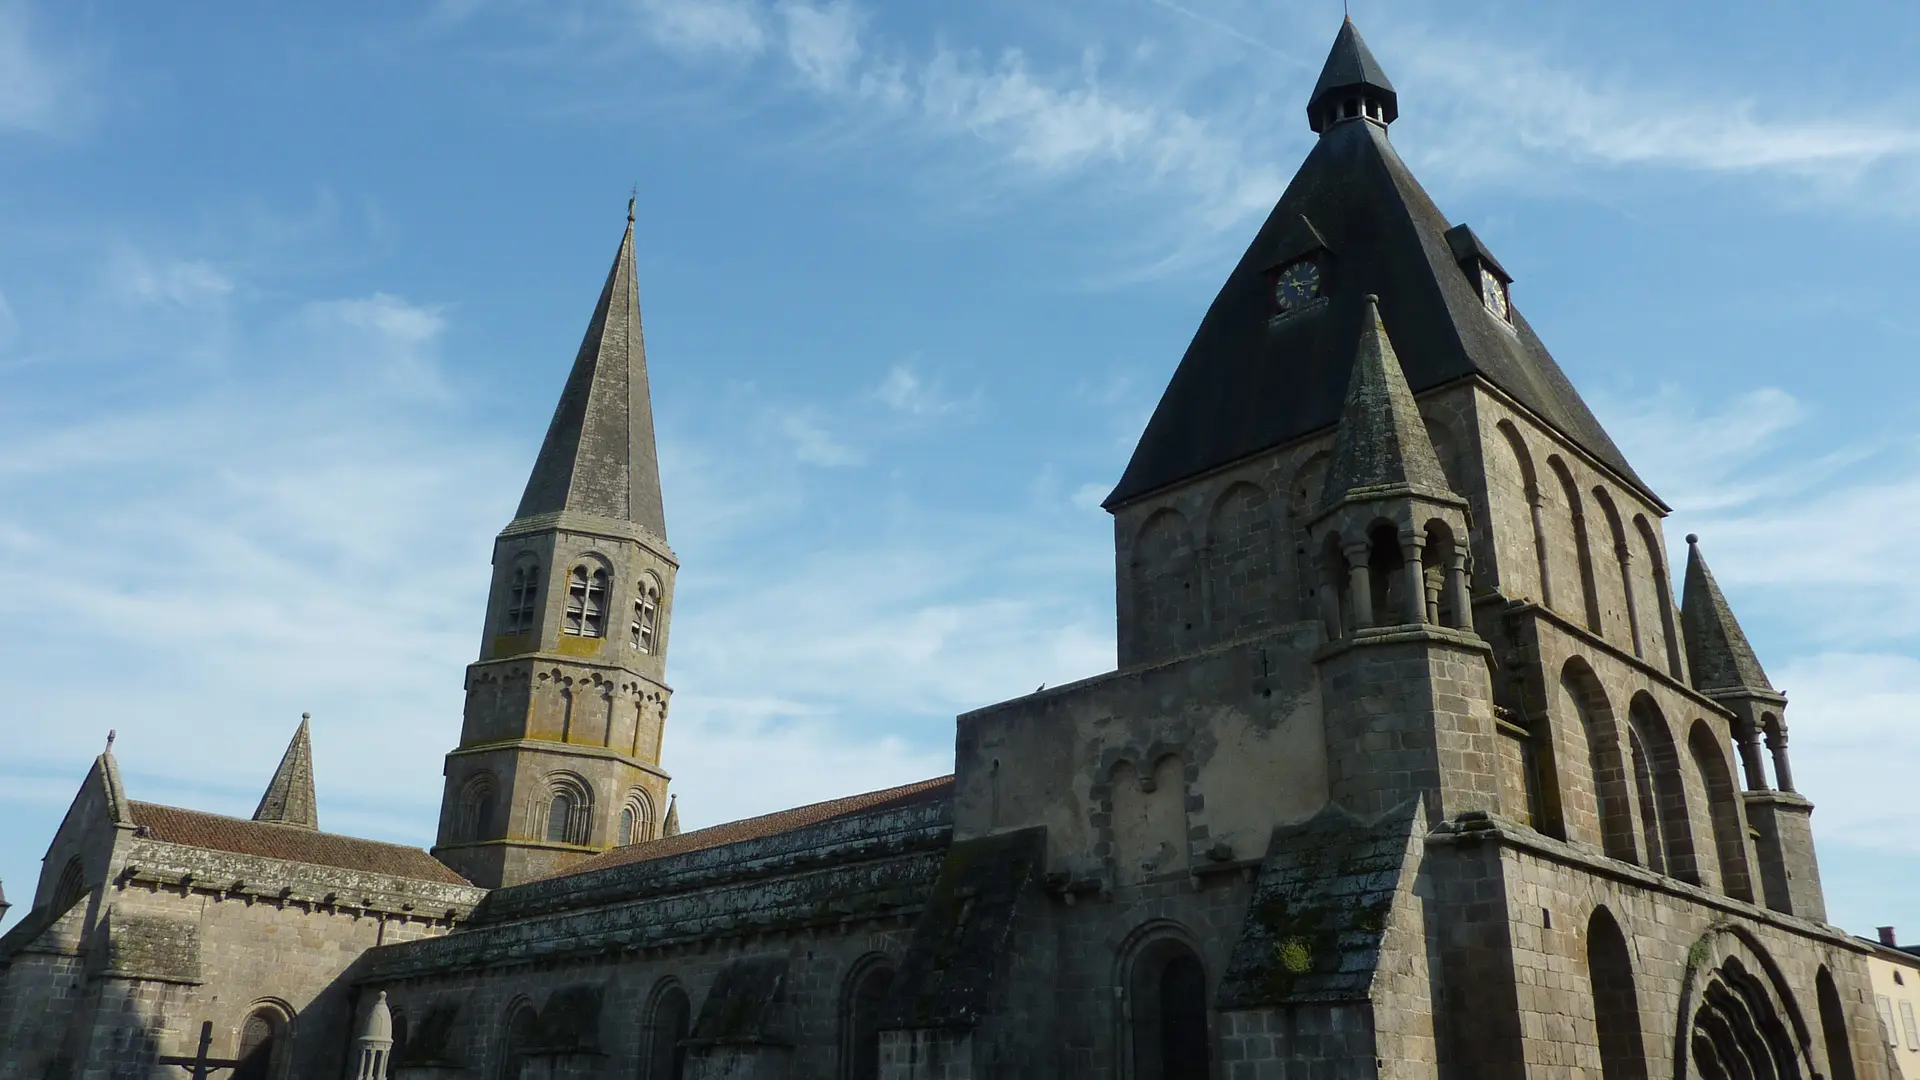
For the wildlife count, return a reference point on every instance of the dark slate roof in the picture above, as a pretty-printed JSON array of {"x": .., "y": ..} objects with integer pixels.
[
  {"x": 599, "y": 456},
  {"x": 757, "y": 828},
  {"x": 745, "y": 1004},
  {"x": 1313, "y": 929},
  {"x": 216, "y": 832},
  {"x": 959, "y": 963},
  {"x": 1246, "y": 386},
  {"x": 1718, "y": 653},
  {"x": 1382, "y": 443},
  {"x": 289, "y": 796},
  {"x": 1350, "y": 64}
]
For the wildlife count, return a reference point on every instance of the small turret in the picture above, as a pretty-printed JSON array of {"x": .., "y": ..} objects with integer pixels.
[
  {"x": 375, "y": 1043},
  {"x": 1724, "y": 667},
  {"x": 1352, "y": 85},
  {"x": 289, "y": 796},
  {"x": 1384, "y": 470}
]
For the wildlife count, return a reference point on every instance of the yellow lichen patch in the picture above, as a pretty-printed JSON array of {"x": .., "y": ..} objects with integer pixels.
[{"x": 580, "y": 646}]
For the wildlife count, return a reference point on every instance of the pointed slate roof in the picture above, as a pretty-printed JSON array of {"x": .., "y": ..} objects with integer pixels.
[
  {"x": 1382, "y": 443},
  {"x": 289, "y": 796},
  {"x": 1249, "y": 382},
  {"x": 1350, "y": 65},
  {"x": 599, "y": 456},
  {"x": 1718, "y": 653}
]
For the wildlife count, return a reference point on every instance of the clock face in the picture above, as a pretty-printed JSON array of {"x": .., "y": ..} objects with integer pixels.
[
  {"x": 1298, "y": 285},
  {"x": 1494, "y": 292}
]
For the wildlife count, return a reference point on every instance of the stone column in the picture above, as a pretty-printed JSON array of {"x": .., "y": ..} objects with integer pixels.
[
  {"x": 375, "y": 1041},
  {"x": 1747, "y": 737},
  {"x": 1359, "y": 584},
  {"x": 1330, "y": 594},
  {"x": 1540, "y": 550},
  {"x": 1416, "y": 578},
  {"x": 1624, "y": 555},
  {"x": 1777, "y": 743},
  {"x": 1457, "y": 594}
]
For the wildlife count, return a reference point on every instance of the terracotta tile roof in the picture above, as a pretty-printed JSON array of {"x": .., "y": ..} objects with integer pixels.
[
  {"x": 757, "y": 828},
  {"x": 215, "y": 832}
]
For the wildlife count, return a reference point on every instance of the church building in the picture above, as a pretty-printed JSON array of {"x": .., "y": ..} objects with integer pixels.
[{"x": 1410, "y": 766}]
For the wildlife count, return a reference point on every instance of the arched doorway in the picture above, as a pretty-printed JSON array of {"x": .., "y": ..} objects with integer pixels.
[
  {"x": 263, "y": 1045},
  {"x": 1616, "y": 1005},
  {"x": 1833, "y": 1025},
  {"x": 860, "y": 1020},
  {"x": 667, "y": 1029},
  {"x": 521, "y": 1021},
  {"x": 1167, "y": 1013}
]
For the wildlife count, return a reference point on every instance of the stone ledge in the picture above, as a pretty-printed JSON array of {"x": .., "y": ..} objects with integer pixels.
[{"x": 1495, "y": 830}]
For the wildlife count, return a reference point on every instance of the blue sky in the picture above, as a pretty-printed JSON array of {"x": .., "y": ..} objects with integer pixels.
[{"x": 286, "y": 298}]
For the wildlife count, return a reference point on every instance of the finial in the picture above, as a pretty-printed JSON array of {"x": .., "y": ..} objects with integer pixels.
[
  {"x": 110, "y": 736},
  {"x": 1692, "y": 539},
  {"x": 1374, "y": 299},
  {"x": 305, "y": 716},
  {"x": 632, "y": 196}
]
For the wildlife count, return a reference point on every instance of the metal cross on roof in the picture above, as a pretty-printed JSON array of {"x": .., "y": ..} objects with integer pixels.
[{"x": 200, "y": 1066}]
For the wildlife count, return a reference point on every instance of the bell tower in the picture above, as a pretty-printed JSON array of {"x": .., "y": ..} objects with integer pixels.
[{"x": 559, "y": 753}]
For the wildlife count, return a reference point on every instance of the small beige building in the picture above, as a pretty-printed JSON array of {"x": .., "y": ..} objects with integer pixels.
[{"x": 1895, "y": 974}]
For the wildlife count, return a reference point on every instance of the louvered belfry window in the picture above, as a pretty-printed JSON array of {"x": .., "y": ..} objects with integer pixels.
[
  {"x": 523, "y": 592},
  {"x": 587, "y": 602}
]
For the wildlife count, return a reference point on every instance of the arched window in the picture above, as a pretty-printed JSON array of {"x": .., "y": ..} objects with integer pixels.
[
  {"x": 514, "y": 1045},
  {"x": 523, "y": 597},
  {"x": 667, "y": 1029},
  {"x": 560, "y": 818},
  {"x": 860, "y": 1020},
  {"x": 636, "y": 819},
  {"x": 1616, "y": 1006},
  {"x": 1674, "y": 828},
  {"x": 1710, "y": 759},
  {"x": 263, "y": 1045},
  {"x": 1168, "y": 994},
  {"x": 569, "y": 812},
  {"x": 1609, "y": 814},
  {"x": 1572, "y": 518},
  {"x": 1649, "y": 804},
  {"x": 646, "y": 615},
  {"x": 71, "y": 887},
  {"x": 476, "y": 808},
  {"x": 587, "y": 601}
]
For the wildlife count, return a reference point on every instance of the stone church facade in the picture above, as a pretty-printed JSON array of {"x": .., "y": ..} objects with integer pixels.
[{"x": 1411, "y": 766}]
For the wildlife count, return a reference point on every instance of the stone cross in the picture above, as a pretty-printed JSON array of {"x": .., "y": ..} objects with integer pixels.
[{"x": 200, "y": 1066}]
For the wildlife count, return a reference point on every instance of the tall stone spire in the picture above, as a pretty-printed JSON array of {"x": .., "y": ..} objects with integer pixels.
[
  {"x": 1718, "y": 652},
  {"x": 566, "y": 706},
  {"x": 1351, "y": 74},
  {"x": 599, "y": 457},
  {"x": 289, "y": 796},
  {"x": 1382, "y": 445}
]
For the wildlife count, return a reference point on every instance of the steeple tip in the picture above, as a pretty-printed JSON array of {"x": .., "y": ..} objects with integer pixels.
[
  {"x": 599, "y": 457},
  {"x": 1381, "y": 442},
  {"x": 289, "y": 798},
  {"x": 1719, "y": 656},
  {"x": 1352, "y": 85}
]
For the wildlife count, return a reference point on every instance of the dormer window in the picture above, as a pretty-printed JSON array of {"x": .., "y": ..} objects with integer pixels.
[
  {"x": 1298, "y": 269},
  {"x": 1484, "y": 272},
  {"x": 1493, "y": 293}
]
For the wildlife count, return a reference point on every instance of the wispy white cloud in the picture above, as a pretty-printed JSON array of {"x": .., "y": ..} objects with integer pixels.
[
  {"x": 1506, "y": 107},
  {"x": 42, "y": 89},
  {"x": 904, "y": 390},
  {"x": 812, "y": 442},
  {"x": 713, "y": 27},
  {"x": 1810, "y": 546}
]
